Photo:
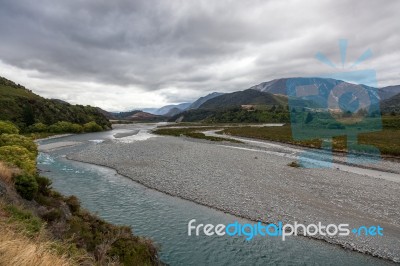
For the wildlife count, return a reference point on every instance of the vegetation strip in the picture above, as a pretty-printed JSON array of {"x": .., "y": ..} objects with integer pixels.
[
  {"x": 192, "y": 132},
  {"x": 46, "y": 228}
]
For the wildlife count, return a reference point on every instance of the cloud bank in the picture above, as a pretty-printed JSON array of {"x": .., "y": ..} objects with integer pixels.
[{"x": 123, "y": 55}]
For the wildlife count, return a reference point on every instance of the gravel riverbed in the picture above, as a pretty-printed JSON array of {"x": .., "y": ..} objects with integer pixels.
[{"x": 259, "y": 186}]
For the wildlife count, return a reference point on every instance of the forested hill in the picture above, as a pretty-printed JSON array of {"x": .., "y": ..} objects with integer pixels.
[{"x": 24, "y": 108}]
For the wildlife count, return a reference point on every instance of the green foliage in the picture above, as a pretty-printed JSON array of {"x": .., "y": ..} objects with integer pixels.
[
  {"x": 65, "y": 127},
  {"x": 191, "y": 132},
  {"x": 18, "y": 140},
  {"x": 25, "y": 108},
  {"x": 26, "y": 186},
  {"x": 44, "y": 185},
  {"x": 38, "y": 127},
  {"x": 28, "y": 117},
  {"x": 52, "y": 215},
  {"x": 20, "y": 157},
  {"x": 235, "y": 99},
  {"x": 73, "y": 204},
  {"x": 236, "y": 115},
  {"x": 7, "y": 127},
  {"x": 31, "y": 223},
  {"x": 90, "y": 232},
  {"x": 309, "y": 118},
  {"x": 92, "y": 127},
  {"x": 391, "y": 122},
  {"x": 132, "y": 251}
]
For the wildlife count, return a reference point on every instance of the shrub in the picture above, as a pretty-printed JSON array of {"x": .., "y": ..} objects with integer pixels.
[
  {"x": 18, "y": 140},
  {"x": 38, "y": 127},
  {"x": 20, "y": 157},
  {"x": 65, "y": 127},
  {"x": 26, "y": 186},
  {"x": 52, "y": 215},
  {"x": 132, "y": 251},
  {"x": 44, "y": 185},
  {"x": 8, "y": 128},
  {"x": 73, "y": 204},
  {"x": 92, "y": 127}
]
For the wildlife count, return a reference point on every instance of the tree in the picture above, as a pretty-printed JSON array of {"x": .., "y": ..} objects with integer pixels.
[
  {"x": 28, "y": 115},
  {"x": 309, "y": 118}
]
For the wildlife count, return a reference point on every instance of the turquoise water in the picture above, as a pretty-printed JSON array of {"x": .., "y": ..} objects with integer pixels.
[{"x": 164, "y": 219}]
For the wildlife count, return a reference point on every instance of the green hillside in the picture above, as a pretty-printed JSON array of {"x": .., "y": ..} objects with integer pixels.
[
  {"x": 246, "y": 97},
  {"x": 24, "y": 108},
  {"x": 391, "y": 105}
]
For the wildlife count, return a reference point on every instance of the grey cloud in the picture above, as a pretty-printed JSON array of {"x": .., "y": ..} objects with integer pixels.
[{"x": 194, "y": 47}]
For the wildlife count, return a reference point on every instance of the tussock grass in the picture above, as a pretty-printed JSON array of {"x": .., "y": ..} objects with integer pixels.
[
  {"x": 24, "y": 240},
  {"x": 17, "y": 249},
  {"x": 7, "y": 173}
]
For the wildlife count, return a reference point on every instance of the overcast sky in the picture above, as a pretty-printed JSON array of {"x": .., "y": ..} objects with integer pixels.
[{"x": 123, "y": 55}]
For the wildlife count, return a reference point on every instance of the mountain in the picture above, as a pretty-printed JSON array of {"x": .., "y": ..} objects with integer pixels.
[
  {"x": 24, "y": 108},
  {"x": 120, "y": 115},
  {"x": 202, "y": 100},
  {"x": 144, "y": 117},
  {"x": 278, "y": 86},
  {"x": 246, "y": 97},
  {"x": 391, "y": 104},
  {"x": 388, "y": 92},
  {"x": 135, "y": 115},
  {"x": 174, "y": 111},
  {"x": 149, "y": 110},
  {"x": 165, "y": 109}
]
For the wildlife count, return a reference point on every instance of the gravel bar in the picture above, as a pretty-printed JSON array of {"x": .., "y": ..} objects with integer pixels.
[{"x": 260, "y": 186}]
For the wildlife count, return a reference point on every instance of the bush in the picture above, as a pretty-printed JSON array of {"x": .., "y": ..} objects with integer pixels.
[
  {"x": 131, "y": 251},
  {"x": 8, "y": 128},
  {"x": 20, "y": 157},
  {"x": 44, "y": 185},
  {"x": 92, "y": 127},
  {"x": 65, "y": 127},
  {"x": 52, "y": 215},
  {"x": 73, "y": 204},
  {"x": 18, "y": 140},
  {"x": 26, "y": 186},
  {"x": 38, "y": 127}
]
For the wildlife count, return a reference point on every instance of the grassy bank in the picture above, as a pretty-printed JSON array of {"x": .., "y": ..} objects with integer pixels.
[
  {"x": 39, "y": 226},
  {"x": 387, "y": 140},
  {"x": 192, "y": 132}
]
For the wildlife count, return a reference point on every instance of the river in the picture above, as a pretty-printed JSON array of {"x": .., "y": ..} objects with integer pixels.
[{"x": 164, "y": 218}]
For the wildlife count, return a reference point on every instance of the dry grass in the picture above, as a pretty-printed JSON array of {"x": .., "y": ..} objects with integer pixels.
[
  {"x": 6, "y": 174},
  {"x": 21, "y": 245},
  {"x": 17, "y": 249}
]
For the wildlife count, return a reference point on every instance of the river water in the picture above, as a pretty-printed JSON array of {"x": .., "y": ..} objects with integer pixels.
[{"x": 164, "y": 218}]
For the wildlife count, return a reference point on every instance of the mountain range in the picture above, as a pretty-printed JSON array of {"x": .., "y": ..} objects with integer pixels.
[
  {"x": 268, "y": 93},
  {"x": 16, "y": 102}
]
